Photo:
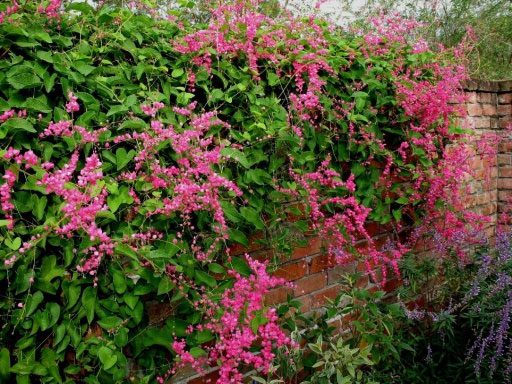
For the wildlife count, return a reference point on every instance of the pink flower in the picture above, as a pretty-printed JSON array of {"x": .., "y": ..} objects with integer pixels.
[{"x": 72, "y": 105}]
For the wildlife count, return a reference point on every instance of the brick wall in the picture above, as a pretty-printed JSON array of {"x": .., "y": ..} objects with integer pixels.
[{"x": 488, "y": 109}]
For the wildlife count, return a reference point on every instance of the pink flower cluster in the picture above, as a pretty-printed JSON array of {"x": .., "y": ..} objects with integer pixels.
[
  {"x": 151, "y": 110},
  {"x": 11, "y": 9},
  {"x": 12, "y": 113},
  {"x": 191, "y": 184},
  {"x": 243, "y": 325},
  {"x": 5, "y": 197},
  {"x": 52, "y": 9},
  {"x": 341, "y": 220},
  {"x": 66, "y": 128},
  {"x": 81, "y": 205},
  {"x": 238, "y": 28},
  {"x": 72, "y": 105}
]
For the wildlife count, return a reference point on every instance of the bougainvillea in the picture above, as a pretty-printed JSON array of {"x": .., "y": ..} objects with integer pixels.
[{"x": 137, "y": 149}]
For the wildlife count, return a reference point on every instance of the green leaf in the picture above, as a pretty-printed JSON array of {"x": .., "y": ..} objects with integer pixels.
[
  {"x": 83, "y": 68},
  {"x": 125, "y": 250},
  {"x": 240, "y": 265},
  {"x": 117, "y": 109},
  {"x": 121, "y": 338},
  {"x": 49, "y": 82},
  {"x": 45, "y": 56},
  {"x": 13, "y": 244},
  {"x": 236, "y": 155},
  {"x": 5, "y": 364},
  {"x": 204, "y": 336},
  {"x": 203, "y": 277},
  {"x": 43, "y": 36},
  {"x": 123, "y": 157},
  {"x": 110, "y": 322},
  {"x": 81, "y": 7},
  {"x": 107, "y": 357},
  {"x": 49, "y": 269},
  {"x": 133, "y": 124},
  {"x": 123, "y": 196},
  {"x": 72, "y": 295},
  {"x": 273, "y": 79},
  {"x": 33, "y": 302},
  {"x": 253, "y": 217},
  {"x": 258, "y": 176},
  {"x": 89, "y": 303},
  {"x": 24, "y": 80},
  {"x": 230, "y": 211},
  {"x": 197, "y": 352},
  {"x": 39, "y": 207},
  {"x": 238, "y": 236},
  {"x": 131, "y": 300},
  {"x": 119, "y": 281},
  {"x": 50, "y": 316},
  {"x": 258, "y": 320},
  {"x": 216, "y": 268},
  {"x": 177, "y": 72},
  {"x": 165, "y": 285},
  {"x": 17, "y": 124},
  {"x": 402, "y": 200}
]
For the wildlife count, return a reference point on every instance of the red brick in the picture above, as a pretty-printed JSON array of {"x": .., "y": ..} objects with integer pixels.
[
  {"x": 292, "y": 271},
  {"x": 320, "y": 298},
  {"x": 506, "y": 172},
  {"x": 505, "y": 146},
  {"x": 310, "y": 284},
  {"x": 505, "y": 110},
  {"x": 373, "y": 229},
  {"x": 489, "y": 98},
  {"x": 503, "y": 196},
  {"x": 313, "y": 247},
  {"x": 278, "y": 295},
  {"x": 306, "y": 303},
  {"x": 474, "y": 109},
  {"x": 471, "y": 97},
  {"x": 335, "y": 274},
  {"x": 392, "y": 285},
  {"x": 254, "y": 245},
  {"x": 481, "y": 122},
  {"x": 504, "y": 159},
  {"x": 321, "y": 263},
  {"x": 505, "y": 184},
  {"x": 489, "y": 209},
  {"x": 363, "y": 281},
  {"x": 504, "y": 123},
  {"x": 211, "y": 377},
  {"x": 505, "y": 98},
  {"x": 488, "y": 110}
]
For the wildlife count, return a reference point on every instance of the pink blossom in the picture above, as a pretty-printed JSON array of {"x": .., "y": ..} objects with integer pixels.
[{"x": 72, "y": 105}]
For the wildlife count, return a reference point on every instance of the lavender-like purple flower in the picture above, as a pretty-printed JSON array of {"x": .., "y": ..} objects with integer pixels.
[
  {"x": 501, "y": 335},
  {"x": 490, "y": 301}
]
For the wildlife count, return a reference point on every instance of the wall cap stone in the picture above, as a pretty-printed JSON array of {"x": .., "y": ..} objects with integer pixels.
[{"x": 476, "y": 85}]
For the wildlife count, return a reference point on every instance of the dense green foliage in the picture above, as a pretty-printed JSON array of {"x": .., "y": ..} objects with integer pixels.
[{"x": 59, "y": 325}]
